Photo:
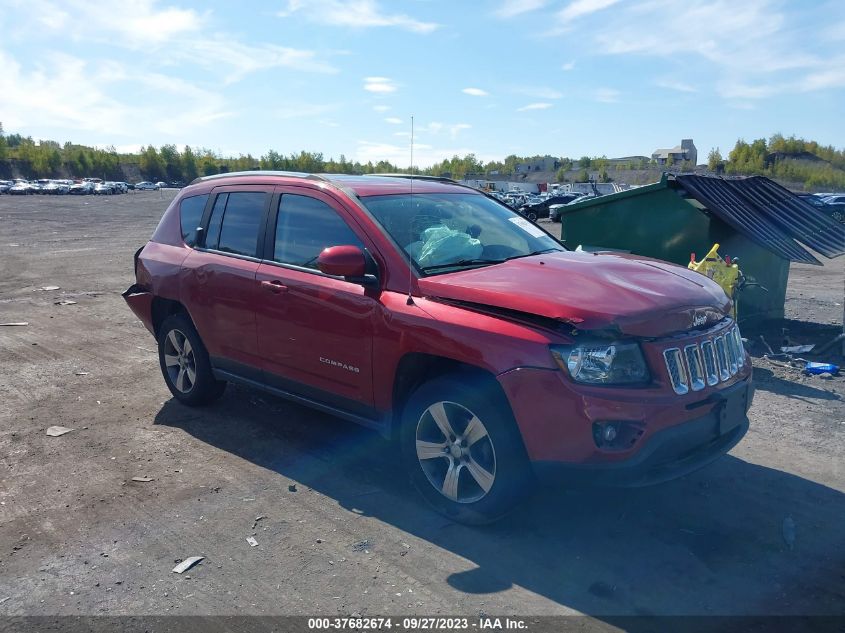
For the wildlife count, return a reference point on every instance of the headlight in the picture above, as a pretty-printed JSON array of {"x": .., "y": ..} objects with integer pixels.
[{"x": 617, "y": 363}]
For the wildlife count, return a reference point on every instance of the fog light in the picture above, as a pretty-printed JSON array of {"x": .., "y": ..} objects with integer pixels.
[{"x": 617, "y": 435}]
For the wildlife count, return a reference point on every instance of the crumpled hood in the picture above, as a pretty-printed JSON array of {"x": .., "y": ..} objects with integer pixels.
[{"x": 636, "y": 295}]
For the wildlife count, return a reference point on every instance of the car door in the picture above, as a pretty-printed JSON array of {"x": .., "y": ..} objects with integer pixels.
[
  {"x": 315, "y": 331},
  {"x": 218, "y": 277}
]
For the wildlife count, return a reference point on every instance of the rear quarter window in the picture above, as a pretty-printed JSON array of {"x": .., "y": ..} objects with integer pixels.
[{"x": 190, "y": 216}]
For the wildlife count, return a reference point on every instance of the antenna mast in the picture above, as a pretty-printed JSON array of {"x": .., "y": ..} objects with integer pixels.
[{"x": 410, "y": 300}]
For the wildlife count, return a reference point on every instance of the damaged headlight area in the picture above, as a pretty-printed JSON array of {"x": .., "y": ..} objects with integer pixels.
[{"x": 603, "y": 363}]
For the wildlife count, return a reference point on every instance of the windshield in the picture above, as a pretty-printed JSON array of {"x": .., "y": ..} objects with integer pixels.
[{"x": 444, "y": 232}]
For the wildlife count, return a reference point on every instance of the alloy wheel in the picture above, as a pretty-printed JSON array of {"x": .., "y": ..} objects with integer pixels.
[
  {"x": 179, "y": 361},
  {"x": 455, "y": 452}
]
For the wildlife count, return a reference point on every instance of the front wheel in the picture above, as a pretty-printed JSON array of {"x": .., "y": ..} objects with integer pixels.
[
  {"x": 462, "y": 448},
  {"x": 185, "y": 364}
]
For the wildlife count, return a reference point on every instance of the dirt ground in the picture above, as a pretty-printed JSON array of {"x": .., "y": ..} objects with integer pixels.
[{"x": 78, "y": 536}]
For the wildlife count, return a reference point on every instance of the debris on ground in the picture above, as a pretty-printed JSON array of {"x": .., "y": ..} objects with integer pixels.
[
  {"x": 2, "y": 600},
  {"x": 821, "y": 368},
  {"x": 186, "y": 564},
  {"x": 65, "y": 302},
  {"x": 142, "y": 479},
  {"x": 80, "y": 373},
  {"x": 788, "y": 530},
  {"x": 797, "y": 349},
  {"x": 292, "y": 488},
  {"x": 260, "y": 517},
  {"x": 56, "y": 431},
  {"x": 252, "y": 542},
  {"x": 362, "y": 546},
  {"x": 48, "y": 288},
  {"x": 14, "y": 324}
]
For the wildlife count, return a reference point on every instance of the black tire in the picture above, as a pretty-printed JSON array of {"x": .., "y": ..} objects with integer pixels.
[
  {"x": 204, "y": 388},
  {"x": 462, "y": 396}
]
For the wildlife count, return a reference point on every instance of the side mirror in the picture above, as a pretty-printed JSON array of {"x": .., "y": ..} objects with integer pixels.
[{"x": 342, "y": 261}]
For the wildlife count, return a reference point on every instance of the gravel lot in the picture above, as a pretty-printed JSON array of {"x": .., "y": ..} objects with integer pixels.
[{"x": 340, "y": 531}]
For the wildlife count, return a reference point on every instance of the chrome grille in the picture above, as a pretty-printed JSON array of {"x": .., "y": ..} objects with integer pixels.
[
  {"x": 733, "y": 356},
  {"x": 722, "y": 358},
  {"x": 709, "y": 353},
  {"x": 714, "y": 360},
  {"x": 696, "y": 367},
  {"x": 677, "y": 372}
]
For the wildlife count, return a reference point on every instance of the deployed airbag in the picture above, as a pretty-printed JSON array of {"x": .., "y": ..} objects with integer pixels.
[{"x": 442, "y": 245}]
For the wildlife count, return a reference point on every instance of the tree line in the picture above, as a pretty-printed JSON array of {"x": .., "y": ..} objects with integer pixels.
[{"x": 791, "y": 160}]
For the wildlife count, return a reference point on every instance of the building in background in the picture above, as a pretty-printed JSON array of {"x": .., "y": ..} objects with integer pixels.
[{"x": 675, "y": 155}]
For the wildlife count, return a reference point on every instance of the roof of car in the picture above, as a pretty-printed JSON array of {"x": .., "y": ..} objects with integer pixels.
[{"x": 362, "y": 186}]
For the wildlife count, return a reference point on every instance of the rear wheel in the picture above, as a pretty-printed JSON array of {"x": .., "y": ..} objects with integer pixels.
[
  {"x": 462, "y": 448},
  {"x": 185, "y": 364}
]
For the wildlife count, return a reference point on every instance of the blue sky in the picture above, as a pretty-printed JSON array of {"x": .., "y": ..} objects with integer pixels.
[{"x": 567, "y": 78}]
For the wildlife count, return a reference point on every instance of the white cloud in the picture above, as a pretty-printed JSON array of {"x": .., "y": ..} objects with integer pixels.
[
  {"x": 393, "y": 120},
  {"x": 136, "y": 24},
  {"x": 832, "y": 77},
  {"x": 381, "y": 108},
  {"x": 475, "y": 92},
  {"x": 511, "y": 8},
  {"x": 534, "y": 106},
  {"x": 580, "y": 8},
  {"x": 568, "y": 66},
  {"x": 67, "y": 93},
  {"x": 355, "y": 14},
  {"x": 242, "y": 59},
  {"x": 456, "y": 129},
  {"x": 539, "y": 92},
  {"x": 607, "y": 95},
  {"x": 741, "y": 38},
  {"x": 379, "y": 85},
  {"x": 755, "y": 48}
]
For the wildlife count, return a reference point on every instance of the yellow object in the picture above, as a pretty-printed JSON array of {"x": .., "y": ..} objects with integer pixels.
[{"x": 724, "y": 274}]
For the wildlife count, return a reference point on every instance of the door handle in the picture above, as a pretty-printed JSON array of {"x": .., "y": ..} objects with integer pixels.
[{"x": 275, "y": 286}]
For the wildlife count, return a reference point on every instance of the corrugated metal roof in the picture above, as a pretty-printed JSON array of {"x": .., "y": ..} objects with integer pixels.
[{"x": 769, "y": 215}]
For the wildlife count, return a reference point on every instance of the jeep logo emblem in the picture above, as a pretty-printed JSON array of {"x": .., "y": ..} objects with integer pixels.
[{"x": 699, "y": 319}]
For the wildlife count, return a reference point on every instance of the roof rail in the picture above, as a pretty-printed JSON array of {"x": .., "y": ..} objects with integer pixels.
[
  {"x": 258, "y": 172},
  {"x": 418, "y": 177}
]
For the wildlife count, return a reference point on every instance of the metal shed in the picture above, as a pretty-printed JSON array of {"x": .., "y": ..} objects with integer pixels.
[{"x": 754, "y": 219}]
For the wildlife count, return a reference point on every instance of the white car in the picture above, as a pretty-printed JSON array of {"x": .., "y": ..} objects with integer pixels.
[{"x": 147, "y": 186}]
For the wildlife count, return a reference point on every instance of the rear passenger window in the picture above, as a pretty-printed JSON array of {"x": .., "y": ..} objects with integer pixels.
[
  {"x": 304, "y": 227},
  {"x": 190, "y": 214},
  {"x": 235, "y": 221}
]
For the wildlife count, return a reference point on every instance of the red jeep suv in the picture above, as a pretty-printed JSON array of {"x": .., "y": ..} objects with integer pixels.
[{"x": 448, "y": 322}]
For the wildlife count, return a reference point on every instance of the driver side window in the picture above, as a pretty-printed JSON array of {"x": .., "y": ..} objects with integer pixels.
[{"x": 304, "y": 227}]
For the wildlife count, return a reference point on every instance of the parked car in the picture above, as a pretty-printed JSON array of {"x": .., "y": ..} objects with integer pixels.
[
  {"x": 103, "y": 189},
  {"x": 5, "y": 185},
  {"x": 812, "y": 199},
  {"x": 835, "y": 210},
  {"x": 838, "y": 199},
  {"x": 82, "y": 188},
  {"x": 21, "y": 189},
  {"x": 161, "y": 184},
  {"x": 448, "y": 322},
  {"x": 56, "y": 187},
  {"x": 541, "y": 209},
  {"x": 146, "y": 186}
]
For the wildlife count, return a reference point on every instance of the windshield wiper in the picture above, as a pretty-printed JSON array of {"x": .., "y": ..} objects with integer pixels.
[
  {"x": 484, "y": 262},
  {"x": 463, "y": 262},
  {"x": 545, "y": 250}
]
